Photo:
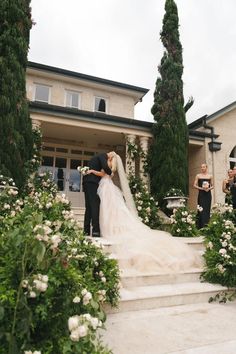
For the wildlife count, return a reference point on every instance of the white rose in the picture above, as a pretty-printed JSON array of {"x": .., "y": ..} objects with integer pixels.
[
  {"x": 36, "y": 352},
  {"x": 32, "y": 294},
  {"x": 83, "y": 331},
  {"x": 84, "y": 291},
  {"x": 76, "y": 299},
  {"x": 74, "y": 336},
  {"x": 222, "y": 251},
  {"x": 87, "y": 297},
  {"x": 44, "y": 278},
  {"x": 94, "y": 322},
  {"x": 87, "y": 316},
  {"x": 73, "y": 322}
]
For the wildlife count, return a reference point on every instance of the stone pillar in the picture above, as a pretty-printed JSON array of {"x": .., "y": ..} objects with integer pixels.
[
  {"x": 130, "y": 163},
  {"x": 143, "y": 140}
]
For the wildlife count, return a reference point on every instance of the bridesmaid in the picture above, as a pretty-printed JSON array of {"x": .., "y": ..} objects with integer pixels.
[
  {"x": 204, "y": 183},
  {"x": 226, "y": 186}
]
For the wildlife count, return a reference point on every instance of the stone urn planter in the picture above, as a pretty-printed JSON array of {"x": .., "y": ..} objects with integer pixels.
[{"x": 175, "y": 202}]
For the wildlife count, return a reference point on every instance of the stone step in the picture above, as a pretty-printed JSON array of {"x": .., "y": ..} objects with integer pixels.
[
  {"x": 129, "y": 280},
  {"x": 155, "y": 296},
  {"x": 78, "y": 214},
  {"x": 196, "y": 243}
]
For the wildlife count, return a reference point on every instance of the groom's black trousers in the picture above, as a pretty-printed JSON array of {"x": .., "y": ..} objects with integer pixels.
[{"x": 92, "y": 204}]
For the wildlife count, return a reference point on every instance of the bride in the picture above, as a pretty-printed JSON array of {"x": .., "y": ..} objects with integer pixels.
[{"x": 138, "y": 247}]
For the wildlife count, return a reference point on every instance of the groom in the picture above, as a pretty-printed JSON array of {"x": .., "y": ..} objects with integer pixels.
[{"x": 90, "y": 186}]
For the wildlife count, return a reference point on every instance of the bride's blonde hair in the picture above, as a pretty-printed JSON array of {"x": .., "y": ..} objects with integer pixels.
[{"x": 113, "y": 156}]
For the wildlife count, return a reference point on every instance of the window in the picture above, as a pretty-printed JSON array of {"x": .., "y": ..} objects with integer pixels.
[
  {"x": 72, "y": 99},
  {"x": 42, "y": 93},
  {"x": 100, "y": 104},
  {"x": 232, "y": 158}
]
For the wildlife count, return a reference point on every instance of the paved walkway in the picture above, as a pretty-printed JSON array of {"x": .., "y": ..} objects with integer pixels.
[{"x": 189, "y": 329}]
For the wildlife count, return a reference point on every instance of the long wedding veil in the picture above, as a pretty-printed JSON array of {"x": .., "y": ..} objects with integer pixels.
[{"x": 125, "y": 187}]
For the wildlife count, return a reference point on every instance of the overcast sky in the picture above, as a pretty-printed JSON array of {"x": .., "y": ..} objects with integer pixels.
[{"x": 119, "y": 40}]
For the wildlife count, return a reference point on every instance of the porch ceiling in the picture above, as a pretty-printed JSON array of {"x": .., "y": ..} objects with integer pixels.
[{"x": 80, "y": 135}]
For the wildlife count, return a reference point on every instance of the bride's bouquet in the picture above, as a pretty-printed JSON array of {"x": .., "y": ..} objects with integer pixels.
[{"x": 83, "y": 169}]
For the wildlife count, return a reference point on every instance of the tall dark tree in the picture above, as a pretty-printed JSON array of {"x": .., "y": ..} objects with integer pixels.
[
  {"x": 15, "y": 123},
  {"x": 169, "y": 152}
]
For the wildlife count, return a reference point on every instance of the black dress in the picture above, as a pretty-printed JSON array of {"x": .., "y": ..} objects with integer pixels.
[
  {"x": 204, "y": 200},
  {"x": 233, "y": 192}
]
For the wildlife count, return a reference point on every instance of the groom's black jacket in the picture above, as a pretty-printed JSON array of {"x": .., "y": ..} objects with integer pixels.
[{"x": 98, "y": 163}]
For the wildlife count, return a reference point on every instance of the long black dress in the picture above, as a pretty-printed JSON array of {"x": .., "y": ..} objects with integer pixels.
[{"x": 204, "y": 200}]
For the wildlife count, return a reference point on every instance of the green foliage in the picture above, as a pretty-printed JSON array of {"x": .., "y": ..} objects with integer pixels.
[
  {"x": 220, "y": 241},
  {"x": 15, "y": 123},
  {"x": 53, "y": 280},
  {"x": 183, "y": 222},
  {"x": 146, "y": 205},
  {"x": 168, "y": 156}
]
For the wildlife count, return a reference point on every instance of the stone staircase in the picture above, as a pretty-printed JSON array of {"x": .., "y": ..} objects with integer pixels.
[{"x": 155, "y": 290}]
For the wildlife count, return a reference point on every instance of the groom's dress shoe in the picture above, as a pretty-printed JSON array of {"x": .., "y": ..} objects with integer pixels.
[{"x": 96, "y": 234}]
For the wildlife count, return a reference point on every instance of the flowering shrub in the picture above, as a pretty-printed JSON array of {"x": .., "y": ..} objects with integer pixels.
[
  {"x": 146, "y": 205},
  {"x": 54, "y": 281},
  {"x": 6, "y": 181},
  {"x": 174, "y": 192},
  {"x": 220, "y": 241},
  {"x": 183, "y": 222}
]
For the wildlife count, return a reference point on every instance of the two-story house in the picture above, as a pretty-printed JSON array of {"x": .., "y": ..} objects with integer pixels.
[{"x": 81, "y": 115}]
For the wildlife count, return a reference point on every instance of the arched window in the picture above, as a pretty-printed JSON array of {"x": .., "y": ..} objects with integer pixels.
[{"x": 232, "y": 158}]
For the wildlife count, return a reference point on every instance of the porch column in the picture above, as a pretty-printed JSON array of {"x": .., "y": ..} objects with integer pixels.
[
  {"x": 129, "y": 162},
  {"x": 143, "y": 141}
]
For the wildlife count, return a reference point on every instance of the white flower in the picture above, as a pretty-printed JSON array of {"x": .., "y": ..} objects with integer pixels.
[
  {"x": 139, "y": 208},
  {"x": 84, "y": 292},
  {"x": 40, "y": 286},
  {"x": 32, "y": 294},
  {"x": 199, "y": 208},
  {"x": 178, "y": 230},
  {"x": 87, "y": 316},
  {"x": 24, "y": 283},
  {"x": 83, "y": 331},
  {"x": 87, "y": 297},
  {"x": 55, "y": 239},
  {"x": 224, "y": 244},
  {"x": 222, "y": 251},
  {"x": 221, "y": 268},
  {"x": 94, "y": 322},
  {"x": 73, "y": 322},
  {"x": 74, "y": 336},
  {"x": 210, "y": 245},
  {"x": 103, "y": 279},
  {"x": 6, "y": 206},
  {"x": 44, "y": 278},
  {"x": 76, "y": 299}
]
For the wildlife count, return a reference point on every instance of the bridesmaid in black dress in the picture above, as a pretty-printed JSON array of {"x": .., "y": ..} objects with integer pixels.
[
  {"x": 226, "y": 186},
  {"x": 204, "y": 183}
]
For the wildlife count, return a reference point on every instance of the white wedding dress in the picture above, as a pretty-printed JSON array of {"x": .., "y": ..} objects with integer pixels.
[{"x": 139, "y": 248}]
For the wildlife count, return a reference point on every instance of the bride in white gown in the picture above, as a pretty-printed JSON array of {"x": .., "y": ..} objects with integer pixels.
[{"x": 139, "y": 248}]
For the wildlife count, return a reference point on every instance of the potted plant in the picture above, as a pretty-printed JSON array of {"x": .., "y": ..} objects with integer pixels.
[{"x": 175, "y": 198}]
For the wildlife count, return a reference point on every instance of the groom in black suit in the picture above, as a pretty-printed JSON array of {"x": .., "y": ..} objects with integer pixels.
[{"x": 90, "y": 186}]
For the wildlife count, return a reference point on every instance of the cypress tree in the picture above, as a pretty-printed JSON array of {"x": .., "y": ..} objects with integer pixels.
[
  {"x": 15, "y": 123},
  {"x": 169, "y": 152}
]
